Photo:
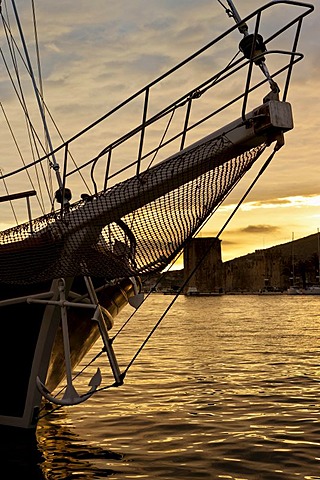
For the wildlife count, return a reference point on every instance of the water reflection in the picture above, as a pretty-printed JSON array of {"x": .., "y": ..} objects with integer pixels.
[
  {"x": 20, "y": 454},
  {"x": 64, "y": 455}
]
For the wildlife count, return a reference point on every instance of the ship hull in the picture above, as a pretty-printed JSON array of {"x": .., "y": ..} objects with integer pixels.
[{"x": 35, "y": 342}]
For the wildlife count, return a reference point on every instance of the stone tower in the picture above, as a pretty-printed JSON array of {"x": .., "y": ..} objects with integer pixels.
[{"x": 204, "y": 253}]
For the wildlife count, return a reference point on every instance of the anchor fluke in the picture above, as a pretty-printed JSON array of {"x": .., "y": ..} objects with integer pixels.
[
  {"x": 71, "y": 396},
  {"x": 138, "y": 298},
  {"x": 95, "y": 380}
]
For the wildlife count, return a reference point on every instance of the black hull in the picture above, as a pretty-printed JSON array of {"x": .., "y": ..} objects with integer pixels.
[{"x": 33, "y": 335}]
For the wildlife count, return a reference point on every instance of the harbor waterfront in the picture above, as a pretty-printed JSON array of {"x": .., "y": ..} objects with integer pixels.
[
  {"x": 227, "y": 388},
  {"x": 273, "y": 270}
]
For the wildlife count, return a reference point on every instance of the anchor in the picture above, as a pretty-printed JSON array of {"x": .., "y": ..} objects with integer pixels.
[{"x": 71, "y": 396}]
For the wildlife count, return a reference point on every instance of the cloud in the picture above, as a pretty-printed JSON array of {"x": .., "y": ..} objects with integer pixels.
[
  {"x": 259, "y": 229},
  {"x": 95, "y": 54}
]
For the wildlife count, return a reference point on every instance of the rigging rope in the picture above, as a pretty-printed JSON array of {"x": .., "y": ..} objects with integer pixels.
[
  {"x": 34, "y": 139},
  {"x": 200, "y": 261}
]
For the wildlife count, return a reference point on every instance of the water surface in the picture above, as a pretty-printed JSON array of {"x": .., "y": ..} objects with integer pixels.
[{"x": 227, "y": 388}]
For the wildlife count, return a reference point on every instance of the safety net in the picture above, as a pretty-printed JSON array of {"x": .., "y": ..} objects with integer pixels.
[{"x": 135, "y": 227}]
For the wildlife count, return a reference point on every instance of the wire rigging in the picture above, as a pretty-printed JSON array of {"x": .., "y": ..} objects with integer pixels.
[
  {"x": 197, "y": 266},
  {"x": 34, "y": 139}
]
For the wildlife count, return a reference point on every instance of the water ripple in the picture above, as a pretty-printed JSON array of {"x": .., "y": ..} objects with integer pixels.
[{"x": 227, "y": 388}]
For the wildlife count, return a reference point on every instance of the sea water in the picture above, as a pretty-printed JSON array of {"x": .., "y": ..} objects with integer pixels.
[{"x": 227, "y": 387}]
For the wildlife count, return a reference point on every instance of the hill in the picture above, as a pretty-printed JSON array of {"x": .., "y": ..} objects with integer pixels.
[{"x": 301, "y": 249}]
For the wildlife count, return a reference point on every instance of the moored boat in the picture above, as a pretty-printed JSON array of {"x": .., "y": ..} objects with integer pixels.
[
  {"x": 293, "y": 290},
  {"x": 311, "y": 290}
]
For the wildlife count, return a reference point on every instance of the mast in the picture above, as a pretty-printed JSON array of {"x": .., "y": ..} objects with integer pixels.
[
  {"x": 318, "y": 257},
  {"x": 292, "y": 259}
]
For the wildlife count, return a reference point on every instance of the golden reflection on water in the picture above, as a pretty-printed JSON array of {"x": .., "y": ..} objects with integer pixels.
[{"x": 228, "y": 387}]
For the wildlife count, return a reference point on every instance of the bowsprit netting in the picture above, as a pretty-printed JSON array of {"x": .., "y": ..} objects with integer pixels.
[{"x": 135, "y": 227}]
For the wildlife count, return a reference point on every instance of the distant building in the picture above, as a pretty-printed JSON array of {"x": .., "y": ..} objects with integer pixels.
[{"x": 255, "y": 272}]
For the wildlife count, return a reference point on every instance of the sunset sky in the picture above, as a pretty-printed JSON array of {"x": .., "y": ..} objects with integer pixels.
[{"x": 96, "y": 54}]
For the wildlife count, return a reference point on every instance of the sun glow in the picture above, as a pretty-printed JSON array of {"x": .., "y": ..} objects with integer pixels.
[{"x": 298, "y": 201}]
